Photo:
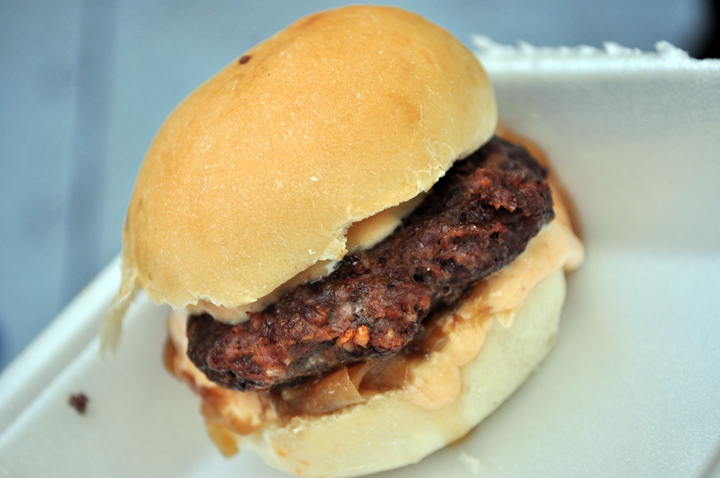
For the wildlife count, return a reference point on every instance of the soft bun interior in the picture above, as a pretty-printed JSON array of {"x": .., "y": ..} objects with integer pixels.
[{"x": 259, "y": 173}]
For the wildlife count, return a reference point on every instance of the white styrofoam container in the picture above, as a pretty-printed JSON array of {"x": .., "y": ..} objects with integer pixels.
[{"x": 632, "y": 387}]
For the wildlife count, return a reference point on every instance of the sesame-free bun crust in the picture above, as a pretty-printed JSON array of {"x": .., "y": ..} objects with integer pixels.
[
  {"x": 394, "y": 428},
  {"x": 259, "y": 173}
]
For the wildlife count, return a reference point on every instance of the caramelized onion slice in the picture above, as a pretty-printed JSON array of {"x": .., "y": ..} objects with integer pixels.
[
  {"x": 381, "y": 375},
  {"x": 320, "y": 396},
  {"x": 222, "y": 437}
]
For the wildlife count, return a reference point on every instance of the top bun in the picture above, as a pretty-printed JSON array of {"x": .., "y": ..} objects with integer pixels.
[{"x": 259, "y": 173}]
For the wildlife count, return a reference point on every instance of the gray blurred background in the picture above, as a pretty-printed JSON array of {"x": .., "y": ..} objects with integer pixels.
[{"x": 85, "y": 85}]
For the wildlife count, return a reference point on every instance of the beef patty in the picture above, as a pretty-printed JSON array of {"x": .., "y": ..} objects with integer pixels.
[{"x": 474, "y": 221}]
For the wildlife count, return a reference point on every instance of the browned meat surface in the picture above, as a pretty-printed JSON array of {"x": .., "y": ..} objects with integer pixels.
[{"x": 476, "y": 220}]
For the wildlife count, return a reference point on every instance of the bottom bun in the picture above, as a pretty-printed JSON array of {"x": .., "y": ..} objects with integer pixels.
[{"x": 402, "y": 426}]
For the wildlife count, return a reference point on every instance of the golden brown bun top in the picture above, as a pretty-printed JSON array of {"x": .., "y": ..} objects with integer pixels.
[{"x": 259, "y": 173}]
